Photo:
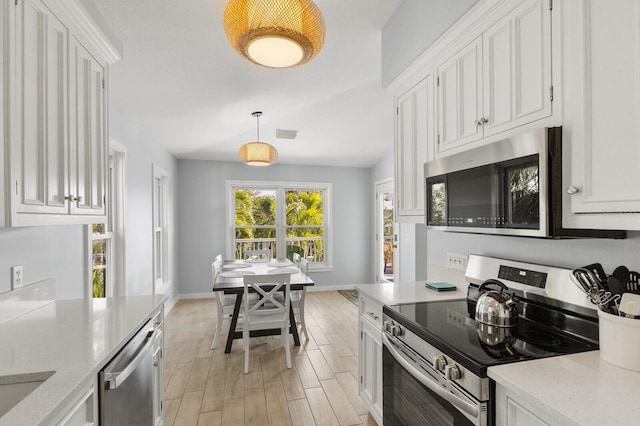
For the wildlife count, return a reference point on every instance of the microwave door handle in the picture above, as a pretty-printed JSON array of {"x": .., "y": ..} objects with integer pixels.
[
  {"x": 468, "y": 408},
  {"x": 116, "y": 378}
]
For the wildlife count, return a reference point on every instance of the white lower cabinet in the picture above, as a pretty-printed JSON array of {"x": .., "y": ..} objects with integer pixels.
[
  {"x": 82, "y": 410},
  {"x": 158, "y": 372},
  {"x": 511, "y": 411},
  {"x": 370, "y": 350}
]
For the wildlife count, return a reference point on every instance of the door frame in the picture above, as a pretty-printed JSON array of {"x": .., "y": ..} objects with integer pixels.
[{"x": 379, "y": 187}]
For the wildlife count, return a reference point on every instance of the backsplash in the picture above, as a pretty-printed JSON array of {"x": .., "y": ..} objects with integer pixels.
[{"x": 571, "y": 253}]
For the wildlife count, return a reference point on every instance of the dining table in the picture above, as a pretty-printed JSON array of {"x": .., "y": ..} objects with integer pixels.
[{"x": 230, "y": 281}]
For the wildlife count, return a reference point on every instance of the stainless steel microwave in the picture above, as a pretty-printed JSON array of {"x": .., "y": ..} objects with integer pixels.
[{"x": 510, "y": 187}]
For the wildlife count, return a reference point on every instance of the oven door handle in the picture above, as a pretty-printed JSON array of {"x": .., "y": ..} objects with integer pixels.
[{"x": 435, "y": 387}]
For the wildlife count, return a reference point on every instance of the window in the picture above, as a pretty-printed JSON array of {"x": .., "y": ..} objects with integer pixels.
[
  {"x": 286, "y": 218},
  {"x": 160, "y": 231},
  {"x": 106, "y": 240}
]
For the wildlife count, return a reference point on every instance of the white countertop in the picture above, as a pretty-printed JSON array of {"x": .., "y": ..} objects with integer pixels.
[
  {"x": 579, "y": 389},
  {"x": 74, "y": 338},
  {"x": 407, "y": 292}
]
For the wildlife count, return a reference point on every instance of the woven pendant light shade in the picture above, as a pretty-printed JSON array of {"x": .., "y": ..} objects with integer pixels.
[
  {"x": 258, "y": 154},
  {"x": 275, "y": 33}
]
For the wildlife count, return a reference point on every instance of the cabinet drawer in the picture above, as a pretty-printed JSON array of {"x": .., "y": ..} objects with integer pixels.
[{"x": 371, "y": 311}]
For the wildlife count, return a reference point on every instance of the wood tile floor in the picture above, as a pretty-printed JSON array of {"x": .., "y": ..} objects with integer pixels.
[{"x": 208, "y": 387}]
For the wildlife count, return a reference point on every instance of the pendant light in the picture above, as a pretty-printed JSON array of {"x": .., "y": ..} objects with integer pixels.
[
  {"x": 275, "y": 33},
  {"x": 258, "y": 153}
]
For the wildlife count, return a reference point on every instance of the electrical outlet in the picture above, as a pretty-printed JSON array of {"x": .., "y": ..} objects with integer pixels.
[
  {"x": 16, "y": 276},
  {"x": 457, "y": 261}
]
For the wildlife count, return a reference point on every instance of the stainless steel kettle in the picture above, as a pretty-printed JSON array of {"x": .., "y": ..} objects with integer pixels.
[{"x": 496, "y": 308}]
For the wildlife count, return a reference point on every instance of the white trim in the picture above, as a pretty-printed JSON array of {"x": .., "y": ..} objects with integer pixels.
[
  {"x": 119, "y": 152},
  {"x": 327, "y": 187},
  {"x": 159, "y": 174},
  {"x": 377, "y": 229},
  {"x": 169, "y": 304}
]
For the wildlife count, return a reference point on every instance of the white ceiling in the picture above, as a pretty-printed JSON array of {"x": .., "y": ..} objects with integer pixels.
[{"x": 193, "y": 94}]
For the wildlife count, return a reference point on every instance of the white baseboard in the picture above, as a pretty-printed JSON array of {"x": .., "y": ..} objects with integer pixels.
[
  {"x": 169, "y": 304},
  {"x": 331, "y": 287},
  {"x": 211, "y": 294},
  {"x": 208, "y": 295}
]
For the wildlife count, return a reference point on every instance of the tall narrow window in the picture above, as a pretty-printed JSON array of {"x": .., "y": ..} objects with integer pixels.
[
  {"x": 106, "y": 240},
  {"x": 285, "y": 218},
  {"x": 160, "y": 231}
]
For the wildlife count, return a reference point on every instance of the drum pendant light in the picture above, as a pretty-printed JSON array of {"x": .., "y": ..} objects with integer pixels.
[
  {"x": 258, "y": 153},
  {"x": 275, "y": 33}
]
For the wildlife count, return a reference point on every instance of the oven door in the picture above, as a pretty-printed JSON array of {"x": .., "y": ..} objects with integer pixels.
[{"x": 416, "y": 394}]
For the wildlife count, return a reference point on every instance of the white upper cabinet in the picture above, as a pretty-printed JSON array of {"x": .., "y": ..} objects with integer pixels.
[
  {"x": 601, "y": 63},
  {"x": 55, "y": 114},
  {"x": 39, "y": 157},
  {"x": 497, "y": 82},
  {"x": 517, "y": 68},
  {"x": 459, "y": 84},
  {"x": 414, "y": 147},
  {"x": 88, "y": 132}
]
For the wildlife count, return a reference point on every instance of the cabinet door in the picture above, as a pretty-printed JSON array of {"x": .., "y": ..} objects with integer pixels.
[
  {"x": 459, "y": 81},
  {"x": 414, "y": 147},
  {"x": 39, "y": 143},
  {"x": 517, "y": 68},
  {"x": 603, "y": 111},
  {"x": 88, "y": 132},
  {"x": 371, "y": 367}
]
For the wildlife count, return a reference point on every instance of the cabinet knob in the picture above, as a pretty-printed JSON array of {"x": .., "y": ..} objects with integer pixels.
[
  {"x": 480, "y": 122},
  {"x": 572, "y": 190},
  {"x": 68, "y": 197}
]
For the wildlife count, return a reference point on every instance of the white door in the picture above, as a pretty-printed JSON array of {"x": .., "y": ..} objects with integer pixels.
[{"x": 384, "y": 250}]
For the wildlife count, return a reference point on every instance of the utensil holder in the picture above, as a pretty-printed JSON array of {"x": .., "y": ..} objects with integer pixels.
[{"x": 620, "y": 341}]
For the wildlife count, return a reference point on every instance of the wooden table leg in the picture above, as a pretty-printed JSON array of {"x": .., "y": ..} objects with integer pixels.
[{"x": 234, "y": 322}]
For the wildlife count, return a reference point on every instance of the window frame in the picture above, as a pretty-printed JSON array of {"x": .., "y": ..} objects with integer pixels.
[
  {"x": 115, "y": 284},
  {"x": 281, "y": 188},
  {"x": 160, "y": 211}
]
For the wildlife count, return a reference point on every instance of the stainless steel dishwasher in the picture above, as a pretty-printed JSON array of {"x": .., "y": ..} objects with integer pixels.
[{"x": 126, "y": 382}]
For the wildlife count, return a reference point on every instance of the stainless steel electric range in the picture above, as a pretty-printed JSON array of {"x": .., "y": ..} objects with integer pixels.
[{"x": 436, "y": 355}]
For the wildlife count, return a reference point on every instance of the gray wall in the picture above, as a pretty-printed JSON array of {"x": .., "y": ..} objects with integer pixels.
[
  {"x": 564, "y": 253},
  {"x": 141, "y": 154},
  {"x": 202, "y": 222},
  {"x": 414, "y": 27},
  {"x": 60, "y": 251},
  {"x": 44, "y": 252}
]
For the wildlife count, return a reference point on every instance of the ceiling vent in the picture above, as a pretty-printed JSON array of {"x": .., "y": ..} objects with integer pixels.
[{"x": 286, "y": 134}]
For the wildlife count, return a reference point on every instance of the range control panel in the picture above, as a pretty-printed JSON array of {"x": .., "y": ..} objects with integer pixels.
[{"x": 523, "y": 276}]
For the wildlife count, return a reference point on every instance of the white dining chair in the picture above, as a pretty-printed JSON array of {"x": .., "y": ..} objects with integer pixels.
[
  {"x": 224, "y": 302},
  {"x": 296, "y": 260},
  {"x": 268, "y": 311},
  {"x": 258, "y": 254},
  {"x": 298, "y": 296}
]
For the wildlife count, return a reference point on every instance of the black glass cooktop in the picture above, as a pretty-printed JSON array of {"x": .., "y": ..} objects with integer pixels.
[{"x": 450, "y": 327}]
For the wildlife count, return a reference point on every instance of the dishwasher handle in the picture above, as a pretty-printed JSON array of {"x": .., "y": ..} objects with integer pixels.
[{"x": 114, "y": 379}]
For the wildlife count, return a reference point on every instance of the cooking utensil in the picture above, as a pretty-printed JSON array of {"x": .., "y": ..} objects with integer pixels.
[
  {"x": 595, "y": 291},
  {"x": 496, "y": 308},
  {"x": 633, "y": 285},
  {"x": 630, "y": 305},
  {"x": 622, "y": 273},
  {"x": 598, "y": 271},
  {"x": 616, "y": 286}
]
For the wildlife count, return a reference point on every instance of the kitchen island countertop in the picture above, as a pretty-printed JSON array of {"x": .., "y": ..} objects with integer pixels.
[
  {"x": 73, "y": 338},
  {"x": 579, "y": 389}
]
